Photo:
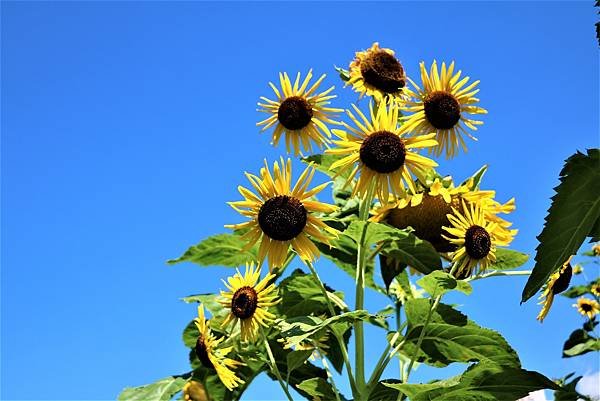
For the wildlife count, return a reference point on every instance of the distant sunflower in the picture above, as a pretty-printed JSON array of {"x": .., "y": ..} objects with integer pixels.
[
  {"x": 377, "y": 72},
  {"x": 596, "y": 289},
  {"x": 298, "y": 113},
  {"x": 248, "y": 301},
  {"x": 475, "y": 238},
  {"x": 587, "y": 307},
  {"x": 194, "y": 391},
  {"x": 377, "y": 151},
  {"x": 211, "y": 356},
  {"x": 557, "y": 283},
  {"x": 442, "y": 106},
  {"x": 282, "y": 215}
]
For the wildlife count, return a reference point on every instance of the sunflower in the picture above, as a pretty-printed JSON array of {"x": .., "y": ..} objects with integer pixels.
[
  {"x": 475, "y": 239},
  {"x": 557, "y": 283},
  {"x": 194, "y": 391},
  {"x": 380, "y": 153},
  {"x": 282, "y": 215},
  {"x": 595, "y": 289},
  {"x": 298, "y": 113},
  {"x": 427, "y": 211},
  {"x": 377, "y": 72},
  {"x": 587, "y": 307},
  {"x": 212, "y": 356},
  {"x": 442, "y": 106},
  {"x": 248, "y": 301}
]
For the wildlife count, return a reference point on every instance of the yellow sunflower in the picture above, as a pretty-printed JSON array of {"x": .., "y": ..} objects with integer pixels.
[
  {"x": 194, "y": 391},
  {"x": 596, "y": 289},
  {"x": 212, "y": 356},
  {"x": 377, "y": 72},
  {"x": 557, "y": 283},
  {"x": 248, "y": 301},
  {"x": 298, "y": 113},
  {"x": 427, "y": 210},
  {"x": 587, "y": 307},
  {"x": 475, "y": 239},
  {"x": 442, "y": 106},
  {"x": 381, "y": 155},
  {"x": 281, "y": 215}
]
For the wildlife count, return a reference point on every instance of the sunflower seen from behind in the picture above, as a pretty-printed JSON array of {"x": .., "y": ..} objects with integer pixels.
[
  {"x": 281, "y": 215},
  {"x": 378, "y": 73},
  {"x": 558, "y": 282},
  {"x": 443, "y": 105},
  {"x": 212, "y": 356},
  {"x": 248, "y": 301},
  {"x": 475, "y": 239},
  {"x": 376, "y": 152},
  {"x": 299, "y": 113}
]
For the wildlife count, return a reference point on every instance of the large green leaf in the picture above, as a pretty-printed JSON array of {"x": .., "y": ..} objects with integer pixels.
[
  {"x": 301, "y": 296},
  {"x": 576, "y": 291},
  {"x": 381, "y": 392},
  {"x": 302, "y": 328},
  {"x": 162, "y": 390},
  {"x": 451, "y": 337},
  {"x": 318, "y": 388},
  {"x": 571, "y": 218},
  {"x": 295, "y": 359},
  {"x": 507, "y": 259},
  {"x": 438, "y": 283},
  {"x": 412, "y": 251},
  {"x": 481, "y": 382},
  {"x": 580, "y": 342},
  {"x": 218, "y": 250}
]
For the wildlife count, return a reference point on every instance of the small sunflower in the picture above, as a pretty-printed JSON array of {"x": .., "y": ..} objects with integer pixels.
[
  {"x": 557, "y": 283},
  {"x": 596, "y": 249},
  {"x": 248, "y": 301},
  {"x": 596, "y": 289},
  {"x": 298, "y": 113},
  {"x": 442, "y": 106},
  {"x": 194, "y": 391},
  {"x": 587, "y": 307},
  {"x": 475, "y": 238},
  {"x": 212, "y": 356},
  {"x": 282, "y": 215},
  {"x": 577, "y": 269},
  {"x": 377, "y": 72},
  {"x": 381, "y": 155}
]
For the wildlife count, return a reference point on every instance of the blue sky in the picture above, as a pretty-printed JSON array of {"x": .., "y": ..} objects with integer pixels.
[{"x": 127, "y": 126}]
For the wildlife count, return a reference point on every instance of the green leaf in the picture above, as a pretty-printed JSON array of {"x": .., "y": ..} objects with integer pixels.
[
  {"x": 381, "y": 392},
  {"x": 322, "y": 162},
  {"x": 568, "y": 390},
  {"x": 451, "y": 337},
  {"x": 190, "y": 335},
  {"x": 344, "y": 74},
  {"x": 318, "y": 388},
  {"x": 218, "y": 250},
  {"x": 438, "y": 283},
  {"x": 507, "y": 259},
  {"x": 576, "y": 291},
  {"x": 481, "y": 382},
  {"x": 580, "y": 342},
  {"x": 476, "y": 178},
  {"x": 571, "y": 218},
  {"x": 408, "y": 249},
  {"x": 162, "y": 390},
  {"x": 295, "y": 359},
  {"x": 301, "y": 296},
  {"x": 210, "y": 303}
]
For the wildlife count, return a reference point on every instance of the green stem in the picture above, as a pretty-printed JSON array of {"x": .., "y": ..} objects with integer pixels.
[
  {"x": 275, "y": 369},
  {"x": 329, "y": 373},
  {"x": 359, "y": 341},
  {"x": 338, "y": 337},
  {"x": 498, "y": 273}
]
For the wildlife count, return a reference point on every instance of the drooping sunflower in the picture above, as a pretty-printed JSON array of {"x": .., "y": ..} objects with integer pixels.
[
  {"x": 379, "y": 153},
  {"x": 248, "y": 301},
  {"x": 475, "y": 239},
  {"x": 194, "y": 391},
  {"x": 587, "y": 307},
  {"x": 212, "y": 356},
  {"x": 557, "y": 283},
  {"x": 377, "y": 72},
  {"x": 282, "y": 215},
  {"x": 442, "y": 106},
  {"x": 299, "y": 113}
]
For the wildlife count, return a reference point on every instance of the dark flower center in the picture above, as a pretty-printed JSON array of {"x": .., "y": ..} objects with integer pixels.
[
  {"x": 383, "y": 71},
  {"x": 563, "y": 280},
  {"x": 244, "y": 302},
  {"x": 586, "y": 307},
  {"x": 202, "y": 353},
  {"x": 427, "y": 219},
  {"x": 442, "y": 110},
  {"x": 294, "y": 113},
  {"x": 477, "y": 242},
  {"x": 383, "y": 152},
  {"x": 282, "y": 218}
]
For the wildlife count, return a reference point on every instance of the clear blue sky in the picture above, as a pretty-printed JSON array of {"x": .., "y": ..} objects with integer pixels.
[{"x": 127, "y": 126}]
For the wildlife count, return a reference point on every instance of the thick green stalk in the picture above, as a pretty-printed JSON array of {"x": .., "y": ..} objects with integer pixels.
[{"x": 275, "y": 369}]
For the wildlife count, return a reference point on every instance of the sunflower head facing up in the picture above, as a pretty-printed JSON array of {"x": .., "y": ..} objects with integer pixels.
[
  {"x": 212, "y": 356},
  {"x": 443, "y": 106},
  {"x": 377, "y": 72},
  {"x": 587, "y": 307},
  {"x": 248, "y": 301},
  {"x": 282, "y": 215},
  {"x": 299, "y": 113},
  {"x": 558, "y": 282},
  {"x": 377, "y": 153},
  {"x": 475, "y": 239}
]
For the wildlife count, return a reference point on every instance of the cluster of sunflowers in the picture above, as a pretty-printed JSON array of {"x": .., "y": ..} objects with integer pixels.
[{"x": 376, "y": 153}]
